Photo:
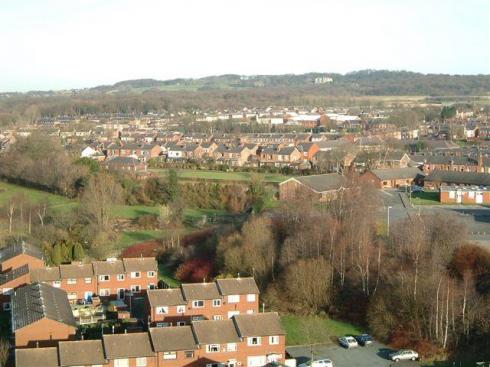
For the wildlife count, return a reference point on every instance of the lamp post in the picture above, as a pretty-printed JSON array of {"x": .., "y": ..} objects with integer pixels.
[{"x": 388, "y": 227}]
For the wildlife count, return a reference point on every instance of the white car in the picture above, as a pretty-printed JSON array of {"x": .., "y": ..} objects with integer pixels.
[
  {"x": 404, "y": 355},
  {"x": 348, "y": 342},
  {"x": 318, "y": 363}
]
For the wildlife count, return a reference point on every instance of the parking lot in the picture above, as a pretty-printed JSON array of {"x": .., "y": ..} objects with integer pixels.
[{"x": 374, "y": 355}]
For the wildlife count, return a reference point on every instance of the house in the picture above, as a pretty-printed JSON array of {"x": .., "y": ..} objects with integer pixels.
[
  {"x": 129, "y": 164},
  {"x": 393, "y": 177},
  {"x": 393, "y": 160},
  {"x": 321, "y": 187},
  {"x": 174, "y": 151},
  {"x": 218, "y": 300},
  {"x": 175, "y": 346},
  {"x": 457, "y": 163},
  {"x": 37, "y": 357},
  {"x": 124, "y": 350},
  {"x": 280, "y": 157},
  {"x": 81, "y": 353},
  {"x": 309, "y": 150},
  {"x": 19, "y": 254},
  {"x": 464, "y": 194},
  {"x": 41, "y": 315},
  {"x": 11, "y": 280},
  {"x": 440, "y": 178}
]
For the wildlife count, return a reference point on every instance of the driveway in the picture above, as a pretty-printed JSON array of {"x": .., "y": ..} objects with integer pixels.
[{"x": 374, "y": 355}]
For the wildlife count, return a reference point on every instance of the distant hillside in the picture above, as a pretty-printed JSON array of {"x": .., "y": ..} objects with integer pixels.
[{"x": 365, "y": 82}]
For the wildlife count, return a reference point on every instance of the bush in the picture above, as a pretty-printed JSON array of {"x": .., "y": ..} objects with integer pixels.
[
  {"x": 148, "y": 221},
  {"x": 195, "y": 270},
  {"x": 145, "y": 249}
]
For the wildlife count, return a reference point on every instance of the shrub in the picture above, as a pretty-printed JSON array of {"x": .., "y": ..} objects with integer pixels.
[{"x": 195, "y": 270}]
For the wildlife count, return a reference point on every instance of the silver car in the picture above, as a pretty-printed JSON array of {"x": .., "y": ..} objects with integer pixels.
[
  {"x": 348, "y": 342},
  {"x": 404, "y": 355}
]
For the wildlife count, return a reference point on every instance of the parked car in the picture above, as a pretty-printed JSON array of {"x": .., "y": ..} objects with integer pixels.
[
  {"x": 416, "y": 189},
  {"x": 318, "y": 363},
  {"x": 348, "y": 342},
  {"x": 364, "y": 339},
  {"x": 404, "y": 355}
]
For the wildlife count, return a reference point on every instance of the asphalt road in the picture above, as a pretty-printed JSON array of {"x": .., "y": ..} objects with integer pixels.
[{"x": 374, "y": 355}]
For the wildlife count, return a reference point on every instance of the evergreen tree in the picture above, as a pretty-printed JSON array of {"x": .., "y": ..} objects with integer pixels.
[
  {"x": 56, "y": 256},
  {"x": 78, "y": 252}
]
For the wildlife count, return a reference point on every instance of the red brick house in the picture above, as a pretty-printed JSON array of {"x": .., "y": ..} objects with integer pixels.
[
  {"x": 321, "y": 188},
  {"x": 210, "y": 301},
  {"x": 41, "y": 315},
  {"x": 393, "y": 177}
]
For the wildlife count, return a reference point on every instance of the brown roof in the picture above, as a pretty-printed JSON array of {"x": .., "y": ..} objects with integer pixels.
[
  {"x": 171, "y": 339},
  {"x": 45, "y": 275},
  {"x": 37, "y": 357},
  {"x": 231, "y": 286},
  {"x": 140, "y": 264},
  {"x": 166, "y": 297},
  {"x": 127, "y": 345},
  {"x": 76, "y": 271},
  {"x": 108, "y": 267},
  {"x": 81, "y": 352},
  {"x": 215, "y": 331},
  {"x": 260, "y": 324},
  {"x": 200, "y": 291}
]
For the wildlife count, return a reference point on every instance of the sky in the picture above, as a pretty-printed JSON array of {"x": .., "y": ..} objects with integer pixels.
[{"x": 64, "y": 44}]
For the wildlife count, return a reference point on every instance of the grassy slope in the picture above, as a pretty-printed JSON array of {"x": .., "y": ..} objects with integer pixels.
[
  {"x": 220, "y": 175},
  {"x": 293, "y": 324}
]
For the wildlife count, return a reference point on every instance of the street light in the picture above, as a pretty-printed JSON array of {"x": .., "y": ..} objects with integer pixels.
[{"x": 388, "y": 229}]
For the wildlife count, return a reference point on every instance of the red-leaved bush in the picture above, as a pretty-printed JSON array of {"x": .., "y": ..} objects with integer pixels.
[
  {"x": 143, "y": 249},
  {"x": 195, "y": 270}
]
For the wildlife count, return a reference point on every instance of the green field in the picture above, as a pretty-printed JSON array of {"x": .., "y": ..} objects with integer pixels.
[
  {"x": 426, "y": 198},
  {"x": 315, "y": 329},
  {"x": 7, "y": 191},
  {"x": 220, "y": 175}
]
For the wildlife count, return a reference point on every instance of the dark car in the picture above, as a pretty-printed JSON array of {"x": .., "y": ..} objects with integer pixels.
[{"x": 364, "y": 339}]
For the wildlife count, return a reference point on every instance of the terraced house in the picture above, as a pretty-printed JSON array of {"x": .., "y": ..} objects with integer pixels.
[
  {"x": 218, "y": 300},
  {"x": 244, "y": 340}
]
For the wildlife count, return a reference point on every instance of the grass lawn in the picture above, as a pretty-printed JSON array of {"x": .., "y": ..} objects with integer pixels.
[
  {"x": 7, "y": 191},
  {"x": 426, "y": 198},
  {"x": 130, "y": 238},
  {"x": 167, "y": 276},
  {"x": 221, "y": 175},
  {"x": 320, "y": 329}
]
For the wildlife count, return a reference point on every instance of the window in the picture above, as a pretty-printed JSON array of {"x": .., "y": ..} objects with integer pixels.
[
  {"x": 197, "y": 304},
  {"x": 104, "y": 278},
  {"x": 135, "y": 288},
  {"x": 161, "y": 310},
  {"x": 6, "y": 306},
  {"x": 235, "y": 298},
  {"x": 231, "y": 347},
  {"x": 56, "y": 284},
  {"x": 141, "y": 362},
  {"x": 105, "y": 292},
  {"x": 151, "y": 286},
  {"x": 216, "y": 302},
  {"x": 120, "y": 277},
  {"x": 197, "y": 318},
  {"x": 169, "y": 355},
  {"x": 189, "y": 354},
  {"x": 71, "y": 281},
  {"x": 135, "y": 274},
  {"x": 250, "y": 312},
  {"x": 180, "y": 309},
  {"x": 88, "y": 280},
  {"x": 151, "y": 274},
  {"x": 164, "y": 324},
  {"x": 250, "y": 297},
  {"x": 273, "y": 340},
  {"x": 255, "y": 340},
  {"x": 72, "y": 296},
  {"x": 452, "y": 194},
  {"x": 121, "y": 362},
  {"x": 180, "y": 323},
  {"x": 217, "y": 317},
  {"x": 212, "y": 348}
]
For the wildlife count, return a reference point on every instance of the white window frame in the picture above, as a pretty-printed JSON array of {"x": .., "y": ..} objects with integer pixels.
[
  {"x": 151, "y": 274},
  {"x": 141, "y": 362},
  {"x": 104, "y": 292},
  {"x": 274, "y": 340},
  {"x": 121, "y": 362},
  {"x": 250, "y": 342},
  {"x": 231, "y": 347},
  {"x": 161, "y": 310},
  {"x": 217, "y": 317},
  {"x": 234, "y": 298},
  {"x": 196, "y": 303},
  {"x": 210, "y": 347},
  {"x": 102, "y": 278},
  {"x": 120, "y": 277},
  {"x": 169, "y": 355},
  {"x": 188, "y": 351},
  {"x": 180, "y": 323},
  {"x": 88, "y": 280},
  {"x": 57, "y": 283},
  {"x": 136, "y": 274},
  {"x": 251, "y": 297},
  {"x": 71, "y": 281},
  {"x": 134, "y": 290},
  {"x": 181, "y": 309},
  {"x": 217, "y": 302}
]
